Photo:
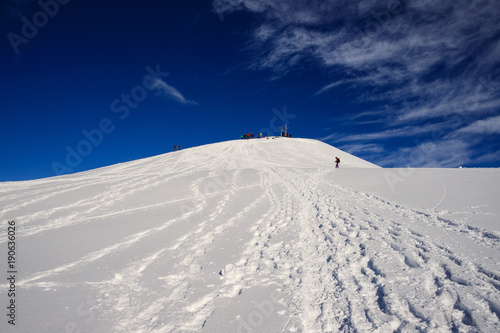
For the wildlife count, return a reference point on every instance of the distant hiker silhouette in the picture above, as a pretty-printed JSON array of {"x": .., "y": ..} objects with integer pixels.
[
  {"x": 337, "y": 160},
  {"x": 175, "y": 148}
]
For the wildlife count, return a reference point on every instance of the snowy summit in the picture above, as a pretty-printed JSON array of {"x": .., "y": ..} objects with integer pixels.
[{"x": 261, "y": 235}]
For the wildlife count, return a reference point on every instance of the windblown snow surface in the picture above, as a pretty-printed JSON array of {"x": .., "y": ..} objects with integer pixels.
[{"x": 255, "y": 236}]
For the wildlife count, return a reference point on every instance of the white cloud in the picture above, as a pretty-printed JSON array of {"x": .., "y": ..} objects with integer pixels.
[
  {"x": 484, "y": 127},
  {"x": 369, "y": 148},
  {"x": 489, "y": 157},
  {"x": 171, "y": 92},
  {"x": 448, "y": 153},
  {"x": 407, "y": 131},
  {"x": 383, "y": 43},
  {"x": 330, "y": 86}
]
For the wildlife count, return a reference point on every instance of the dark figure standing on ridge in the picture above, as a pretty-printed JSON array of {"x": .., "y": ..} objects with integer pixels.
[
  {"x": 175, "y": 148},
  {"x": 337, "y": 160}
]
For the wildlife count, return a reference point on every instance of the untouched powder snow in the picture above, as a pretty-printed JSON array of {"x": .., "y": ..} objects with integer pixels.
[{"x": 255, "y": 236}]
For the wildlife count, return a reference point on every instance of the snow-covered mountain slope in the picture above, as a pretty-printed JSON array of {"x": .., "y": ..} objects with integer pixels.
[{"x": 255, "y": 236}]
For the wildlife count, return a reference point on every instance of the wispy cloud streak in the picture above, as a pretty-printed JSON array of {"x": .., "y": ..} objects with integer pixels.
[
  {"x": 486, "y": 127},
  {"x": 171, "y": 92}
]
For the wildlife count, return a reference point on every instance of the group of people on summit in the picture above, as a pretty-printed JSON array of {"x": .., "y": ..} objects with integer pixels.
[
  {"x": 260, "y": 136},
  {"x": 251, "y": 136}
]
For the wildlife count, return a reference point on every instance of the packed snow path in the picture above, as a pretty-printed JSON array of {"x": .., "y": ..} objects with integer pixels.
[{"x": 250, "y": 236}]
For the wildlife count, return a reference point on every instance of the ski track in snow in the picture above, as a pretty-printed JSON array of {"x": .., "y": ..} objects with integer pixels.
[{"x": 340, "y": 260}]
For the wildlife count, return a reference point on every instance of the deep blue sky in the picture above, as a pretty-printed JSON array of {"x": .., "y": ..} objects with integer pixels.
[{"x": 398, "y": 83}]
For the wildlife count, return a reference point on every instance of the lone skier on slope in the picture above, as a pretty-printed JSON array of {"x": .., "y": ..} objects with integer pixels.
[{"x": 337, "y": 161}]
